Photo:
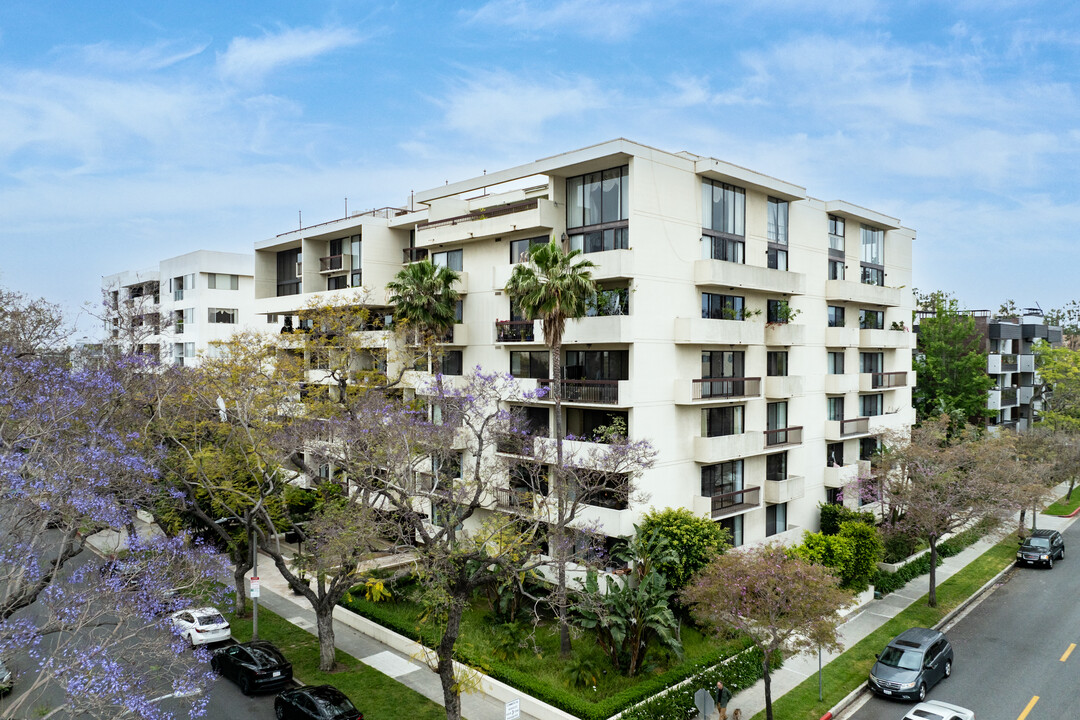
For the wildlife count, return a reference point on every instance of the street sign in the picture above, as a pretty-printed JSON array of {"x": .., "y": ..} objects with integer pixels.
[
  {"x": 513, "y": 710},
  {"x": 254, "y": 587},
  {"x": 703, "y": 699}
]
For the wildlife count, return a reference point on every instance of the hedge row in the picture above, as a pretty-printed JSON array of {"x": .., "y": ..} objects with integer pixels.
[
  {"x": 743, "y": 670},
  {"x": 887, "y": 582}
]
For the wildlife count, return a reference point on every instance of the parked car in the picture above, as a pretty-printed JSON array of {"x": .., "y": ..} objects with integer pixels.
[
  {"x": 5, "y": 679},
  {"x": 912, "y": 663},
  {"x": 1040, "y": 548},
  {"x": 322, "y": 702},
  {"x": 201, "y": 626},
  {"x": 254, "y": 666},
  {"x": 937, "y": 710}
]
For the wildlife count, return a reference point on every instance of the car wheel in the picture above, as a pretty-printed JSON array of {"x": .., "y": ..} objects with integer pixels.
[
  {"x": 1050, "y": 562},
  {"x": 215, "y": 665},
  {"x": 922, "y": 692},
  {"x": 191, "y": 641},
  {"x": 279, "y": 711},
  {"x": 245, "y": 684},
  {"x": 948, "y": 668},
  {"x": 1062, "y": 556}
]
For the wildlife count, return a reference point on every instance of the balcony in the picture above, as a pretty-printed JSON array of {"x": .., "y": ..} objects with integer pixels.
[
  {"x": 842, "y": 336},
  {"x": 783, "y": 436},
  {"x": 1026, "y": 363},
  {"x": 783, "y": 386},
  {"x": 781, "y": 491},
  {"x": 734, "y": 503},
  {"x": 885, "y": 338},
  {"x": 332, "y": 264},
  {"x": 710, "y": 450},
  {"x": 857, "y": 292},
  {"x": 892, "y": 422},
  {"x": 456, "y": 334},
  {"x": 997, "y": 363},
  {"x": 993, "y": 399},
  {"x": 836, "y": 430},
  {"x": 837, "y": 384},
  {"x": 1008, "y": 397},
  {"x": 517, "y": 331},
  {"x": 513, "y": 499},
  {"x": 594, "y": 392},
  {"x": 882, "y": 380},
  {"x": 837, "y": 476},
  {"x": 784, "y": 334},
  {"x": 706, "y": 331},
  {"x": 719, "y": 273},
  {"x": 724, "y": 388},
  {"x": 599, "y": 329},
  {"x": 536, "y": 214}
]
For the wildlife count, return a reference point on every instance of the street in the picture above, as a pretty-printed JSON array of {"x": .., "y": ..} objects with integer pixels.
[{"x": 1014, "y": 650}]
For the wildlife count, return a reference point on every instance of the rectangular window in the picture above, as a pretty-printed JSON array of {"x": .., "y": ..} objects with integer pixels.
[
  {"x": 356, "y": 251},
  {"x": 721, "y": 421},
  {"x": 776, "y": 416},
  {"x": 834, "y": 361},
  {"x": 873, "y": 256},
  {"x": 722, "y": 364},
  {"x": 600, "y": 240},
  {"x": 289, "y": 272},
  {"x": 519, "y": 249},
  {"x": 872, "y": 319},
  {"x": 836, "y": 269},
  {"x": 597, "y": 365},
  {"x": 451, "y": 362},
  {"x": 722, "y": 478},
  {"x": 225, "y": 316},
  {"x": 868, "y": 447},
  {"x": 537, "y": 421},
  {"x": 529, "y": 364},
  {"x": 734, "y": 527},
  {"x": 219, "y": 281},
  {"x": 182, "y": 318},
  {"x": 834, "y": 496},
  {"x": 722, "y": 307},
  {"x": 777, "y": 363},
  {"x": 871, "y": 405},
  {"x": 834, "y": 454},
  {"x": 598, "y": 198},
  {"x": 776, "y": 467},
  {"x": 778, "y": 221},
  {"x": 337, "y": 282},
  {"x": 449, "y": 259},
  {"x": 835, "y": 408},
  {"x": 271, "y": 319},
  {"x": 777, "y": 258},
  {"x": 459, "y": 311},
  {"x": 778, "y": 311},
  {"x": 723, "y": 207},
  {"x": 775, "y": 519},
  {"x": 589, "y": 425},
  {"x": 836, "y": 316},
  {"x": 871, "y": 362},
  {"x": 609, "y": 302},
  {"x": 723, "y": 248},
  {"x": 836, "y": 233}
]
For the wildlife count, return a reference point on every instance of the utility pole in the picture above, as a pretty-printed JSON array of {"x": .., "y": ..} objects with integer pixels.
[{"x": 254, "y": 580}]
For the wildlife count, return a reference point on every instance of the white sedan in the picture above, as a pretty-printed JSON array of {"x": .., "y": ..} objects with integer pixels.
[
  {"x": 937, "y": 710},
  {"x": 201, "y": 626}
]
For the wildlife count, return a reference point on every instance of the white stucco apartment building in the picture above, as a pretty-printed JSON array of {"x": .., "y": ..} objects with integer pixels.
[{"x": 758, "y": 337}]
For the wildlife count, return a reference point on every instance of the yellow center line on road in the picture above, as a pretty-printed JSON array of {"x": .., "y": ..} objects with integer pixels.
[
  {"x": 1072, "y": 646},
  {"x": 1028, "y": 708}
]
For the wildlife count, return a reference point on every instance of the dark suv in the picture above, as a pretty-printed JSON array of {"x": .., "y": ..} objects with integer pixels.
[
  {"x": 915, "y": 661},
  {"x": 1041, "y": 547}
]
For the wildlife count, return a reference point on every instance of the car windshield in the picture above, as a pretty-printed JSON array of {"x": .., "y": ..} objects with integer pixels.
[
  {"x": 214, "y": 619},
  {"x": 1038, "y": 542},
  {"x": 335, "y": 704},
  {"x": 265, "y": 656},
  {"x": 903, "y": 659},
  {"x": 927, "y": 714}
]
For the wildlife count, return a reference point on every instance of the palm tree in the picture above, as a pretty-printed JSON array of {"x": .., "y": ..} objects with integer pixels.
[
  {"x": 425, "y": 299},
  {"x": 555, "y": 286}
]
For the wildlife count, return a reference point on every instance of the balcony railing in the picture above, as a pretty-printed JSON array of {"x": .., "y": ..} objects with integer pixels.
[
  {"x": 601, "y": 392},
  {"x": 706, "y": 388},
  {"x": 1009, "y": 363},
  {"x": 412, "y": 255},
  {"x": 730, "y": 503},
  {"x": 888, "y": 379},
  {"x": 1008, "y": 397},
  {"x": 481, "y": 215},
  {"x": 512, "y": 498},
  {"x": 855, "y": 426},
  {"x": 331, "y": 263},
  {"x": 517, "y": 444},
  {"x": 783, "y": 436},
  {"x": 514, "y": 330}
]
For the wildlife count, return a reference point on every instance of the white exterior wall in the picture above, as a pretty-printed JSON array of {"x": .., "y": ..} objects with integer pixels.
[{"x": 664, "y": 333}]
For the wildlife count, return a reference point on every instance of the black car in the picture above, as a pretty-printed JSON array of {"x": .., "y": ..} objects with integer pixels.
[
  {"x": 1041, "y": 547},
  {"x": 254, "y": 666},
  {"x": 322, "y": 702},
  {"x": 915, "y": 661}
]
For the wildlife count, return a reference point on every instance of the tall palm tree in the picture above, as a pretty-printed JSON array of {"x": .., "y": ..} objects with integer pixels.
[
  {"x": 555, "y": 286},
  {"x": 425, "y": 299}
]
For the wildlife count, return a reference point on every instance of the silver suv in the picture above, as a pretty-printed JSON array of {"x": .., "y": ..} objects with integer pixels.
[{"x": 915, "y": 661}]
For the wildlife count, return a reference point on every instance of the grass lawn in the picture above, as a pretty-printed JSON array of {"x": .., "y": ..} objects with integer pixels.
[
  {"x": 1063, "y": 507},
  {"x": 850, "y": 670},
  {"x": 378, "y": 696}
]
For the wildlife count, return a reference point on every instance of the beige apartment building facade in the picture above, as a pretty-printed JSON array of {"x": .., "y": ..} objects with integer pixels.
[{"x": 758, "y": 337}]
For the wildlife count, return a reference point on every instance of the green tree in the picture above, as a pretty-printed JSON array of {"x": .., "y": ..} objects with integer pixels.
[
  {"x": 555, "y": 286},
  {"x": 1060, "y": 370},
  {"x": 867, "y": 551},
  {"x": 951, "y": 367},
  {"x": 425, "y": 300},
  {"x": 695, "y": 540}
]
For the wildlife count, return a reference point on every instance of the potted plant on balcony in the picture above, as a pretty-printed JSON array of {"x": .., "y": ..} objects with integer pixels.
[{"x": 782, "y": 313}]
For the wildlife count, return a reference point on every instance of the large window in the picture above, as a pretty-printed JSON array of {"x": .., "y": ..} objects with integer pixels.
[
  {"x": 720, "y": 421},
  {"x": 872, "y": 319},
  {"x": 776, "y": 415},
  {"x": 449, "y": 258},
  {"x": 530, "y": 364},
  {"x": 607, "y": 302},
  {"x": 723, "y": 207},
  {"x": 337, "y": 282},
  {"x": 778, "y": 221},
  {"x": 598, "y": 198},
  {"x": 597, "y": 365},
  {"x": 871, "y": 362},
  {"x": 219, "y": 281},
  {"x": 288, "y": 272},
  {"x": 836, "y": 316},
  {"x": 596, "y": 425},
  {"x": 834, "y": 362},
  {"x": 451, "y": 362},
  {"x": 871, "y": 405},
  {"x": 734, "y": 527},
  {"x": 776, "y": 467},
  {"x": 182, "y": 318},
  {"x": 356, "y": 250},
  {"x": 868, "y": 448},
  {"x": 776, "y": 364},
  {"x": 722, "y": 307},
  {"x": 834, "y": 454},
  {"x": 222, "y": 315},
  {"x": 835, "y": 408},
  {"x": 836, "y": 233},
  {"x": 722, "y": 364},
  {"x": 836, "y": 269},
  {"x": 873, "y": 256},
  {"x": 519, "y": 249},
  {"x": 728, "y": 249},
  {"x": 722, "y": 478},
  {"x": 775, "y": 519}
]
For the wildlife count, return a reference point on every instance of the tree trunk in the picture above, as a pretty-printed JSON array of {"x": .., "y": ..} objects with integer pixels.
[
  {"x": 324, "y": 620},
  {"x": 768, "y": 687},
  {"x": 1034, "y": 513},
  {"x": 933, "y": 571},
  {"x": 239, "y": 573},
  {"x": 445, "y": 653},
  {"x": 561, "y": 544},
  {"x": 1023, "y": 514},
  {"x": 1068, "y": 495}
]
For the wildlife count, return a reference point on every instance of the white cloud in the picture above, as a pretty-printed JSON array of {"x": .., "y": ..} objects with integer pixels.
[
  {"x": 248, "y": 60},
  {"x": 106, "y": 56},
  {"x": 604, "y": 19}
]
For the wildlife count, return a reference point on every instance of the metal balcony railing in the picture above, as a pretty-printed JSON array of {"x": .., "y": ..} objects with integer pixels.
[
  {"x": 783, "y": 436},
  {"x": 331, "y": 263},
  {"x": 512, "y": 498},
  {"x": 480, "y": 215},
  {"x": 601, "y": 392},
  {"x": 729, "y": 503},
  {"x": 888, "y": 379},
  {"x": 706, "y": 388},
  {"x": 514, "y": 331},
  {"x": 855, "y": 426}
]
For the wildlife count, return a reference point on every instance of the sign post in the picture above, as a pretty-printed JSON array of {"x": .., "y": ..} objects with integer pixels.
[
  {"x": 254, "y": 587},
  {"x": 703, "y": 699},
  {"x": 513, "y": 710}
]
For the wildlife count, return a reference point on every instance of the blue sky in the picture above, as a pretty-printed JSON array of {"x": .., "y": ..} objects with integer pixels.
[{"x": 131, "y": 132}]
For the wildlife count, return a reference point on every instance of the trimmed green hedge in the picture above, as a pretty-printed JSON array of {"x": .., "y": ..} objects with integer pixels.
[
  {"x": 887, "y": 582},
  {"x": 743, "y": 670}
]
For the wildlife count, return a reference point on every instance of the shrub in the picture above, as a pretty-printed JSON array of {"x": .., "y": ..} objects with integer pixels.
[
  {"x": 833, "y": 515},
  {"x": 886, "y": 582},
  {"x": 695, "y": 540},
  {"x": 867, "y": 550},
  {"x": 832, "y": 551}
]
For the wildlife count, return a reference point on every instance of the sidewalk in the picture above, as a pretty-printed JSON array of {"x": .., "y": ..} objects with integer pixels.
[{"x": 869, "y": 618}]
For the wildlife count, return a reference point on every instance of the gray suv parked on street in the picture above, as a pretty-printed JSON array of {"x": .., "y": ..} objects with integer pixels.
[{"x": 915, "y": 661}]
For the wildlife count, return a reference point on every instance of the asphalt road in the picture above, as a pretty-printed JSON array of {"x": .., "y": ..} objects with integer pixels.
[{"x": 1011, "y": 649}]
